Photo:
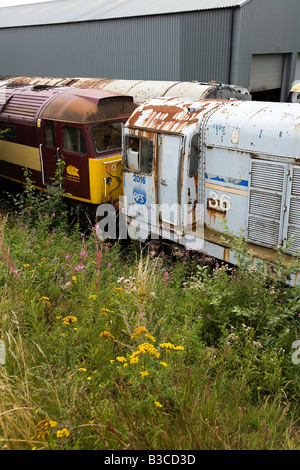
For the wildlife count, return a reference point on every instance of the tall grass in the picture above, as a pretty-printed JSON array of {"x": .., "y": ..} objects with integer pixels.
[{"x": 107, "y": 348}]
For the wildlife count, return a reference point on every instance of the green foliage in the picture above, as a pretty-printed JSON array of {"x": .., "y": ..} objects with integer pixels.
[{"x": 110, "y": 349}]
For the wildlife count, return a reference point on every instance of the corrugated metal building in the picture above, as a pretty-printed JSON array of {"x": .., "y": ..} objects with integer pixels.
[{"x": 252, "y": 43}]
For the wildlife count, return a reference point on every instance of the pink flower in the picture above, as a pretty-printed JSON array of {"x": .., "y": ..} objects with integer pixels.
[{"x": 78, "y": 267}]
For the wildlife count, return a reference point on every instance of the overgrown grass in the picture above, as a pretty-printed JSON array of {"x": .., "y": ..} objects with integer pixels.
[{"x": 110, "y": 349}]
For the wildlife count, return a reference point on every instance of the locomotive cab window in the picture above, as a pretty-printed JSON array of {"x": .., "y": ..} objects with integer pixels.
[
  {"x": 194, "y": 156},
  {"x": 49, "y": 135},
  {"x": 73, "y": 140},
  {"x": 139, "y": 154},
  {"x": 107, "y": 137}
]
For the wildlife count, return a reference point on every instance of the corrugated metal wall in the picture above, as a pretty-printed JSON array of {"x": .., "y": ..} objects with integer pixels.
[
  {"x": 268, "y": 27},
  {"x": 167, "y": 47}
]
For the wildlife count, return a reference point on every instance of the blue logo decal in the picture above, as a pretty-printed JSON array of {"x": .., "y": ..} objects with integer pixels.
[{"x": 139, "y": 195}]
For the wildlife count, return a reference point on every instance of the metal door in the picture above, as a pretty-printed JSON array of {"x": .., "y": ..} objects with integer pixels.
[{"x": 169, "y": 178}]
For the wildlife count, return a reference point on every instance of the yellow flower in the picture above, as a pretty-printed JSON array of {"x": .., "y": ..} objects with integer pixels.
[
  {"x": 147, "y": 348},
  {"x": 82, "y": 369},
  {"x": 108, "y": 335},
  {"x": 92, "y": 297},
  {"x": 74, "y": 278},
  {"x": 26, "y": 266},
  {"x": 134, "y": 359},
  {"x": 105, "y": 311},
  {"x": 121, "y": 359},
  {"x": 164, "y": 364},
  {"x": 89, "y": 378},
  {"x": 144, "y": 373},
  {"x": 69, "y": 319},
  {"x": 171, "y": 346},
  {"x": 44, "y": 298},
  {"x": 63, "y": 433},
  {"x": 158, "y": 404}
]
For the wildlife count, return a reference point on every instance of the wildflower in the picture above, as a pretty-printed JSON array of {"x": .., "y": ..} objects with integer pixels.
[
  {"x": 105, "y": 311},
  {"x": 147, "y": 348},
  {"x": 42, "y": 428},
  {"x": 134, "y": 359},
  {"x": 139, "y": 330},
  {"x": 44, "y": 298},
  {"x": 170, "y": 346},
  {"x": 69, "y": 319},
  {"x": 63, "y": 433},
  {"x": 52, "y": 424},
  {"x": 74, "y": 278},
  {"x": 82, "y": 369},
  {"x": 108, "y": 335},
  {"x": 144, "y": 373},
  {"x": 159, "y": 405},
  {"x": 89, "y": 378},
  {"x": 121, "y": 359},
  {"x": 68, "y": 256},
  {"x": 93, "y": 297},
  {"x": 164, "y": 364},
  {"x": 78, "y": 267},
  {"x": 26, "y": 266},
  {"x": 82, "y": 253},
  {"x": 53, "y": 215}
]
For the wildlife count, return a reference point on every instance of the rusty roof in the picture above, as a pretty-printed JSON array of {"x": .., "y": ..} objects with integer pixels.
[
  {"x": 88, "y": 106},
  {"x": 28, "y": 103},
  {"x": 173, "y": 115}
]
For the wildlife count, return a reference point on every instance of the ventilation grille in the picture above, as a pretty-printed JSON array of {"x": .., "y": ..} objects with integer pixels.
[
  {"x": 263, "y": 232},
  {"x": 296, "y": 182},
  {"x": 24, "y": 106},
  {"x": 268, "y": 176},
  {"x": 293, "y": 237},
  {"x": 265, "y": 202}
]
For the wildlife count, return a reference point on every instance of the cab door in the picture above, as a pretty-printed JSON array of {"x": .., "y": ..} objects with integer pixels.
[
  {"x": 68, "y": 143},
  {"x": 169, "y": 181}
]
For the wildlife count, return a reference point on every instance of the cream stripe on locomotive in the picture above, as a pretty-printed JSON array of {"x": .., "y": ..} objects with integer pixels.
[{"x": 21, "y": 155}]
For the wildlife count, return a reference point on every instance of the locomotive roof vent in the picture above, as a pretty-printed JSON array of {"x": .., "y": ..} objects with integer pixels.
[
  {"x": 41, "y": 87},
  {"x": 195, "y": 107}
]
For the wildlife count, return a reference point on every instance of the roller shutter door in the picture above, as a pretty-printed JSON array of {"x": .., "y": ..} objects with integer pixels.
[{"x": 266, "y": 72}]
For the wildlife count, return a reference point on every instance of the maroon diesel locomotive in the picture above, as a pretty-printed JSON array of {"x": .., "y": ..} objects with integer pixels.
[{"x": 83, "y": 127}]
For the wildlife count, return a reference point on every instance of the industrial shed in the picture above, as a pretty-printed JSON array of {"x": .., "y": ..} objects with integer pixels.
[{"x": 251, "y": 43}]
